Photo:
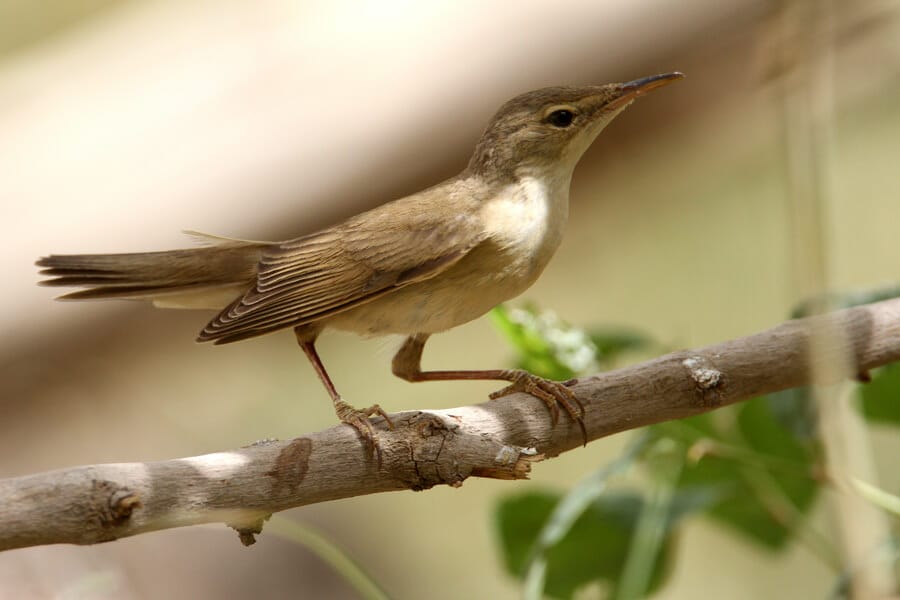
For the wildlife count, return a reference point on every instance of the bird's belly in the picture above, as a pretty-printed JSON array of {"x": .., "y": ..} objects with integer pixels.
[
  {"x": 480, "y": 281},
  {"x": 523, "y": 228}
]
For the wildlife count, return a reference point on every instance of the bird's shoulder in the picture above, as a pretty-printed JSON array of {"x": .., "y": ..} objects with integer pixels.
[{"x": 443, "y": 219}]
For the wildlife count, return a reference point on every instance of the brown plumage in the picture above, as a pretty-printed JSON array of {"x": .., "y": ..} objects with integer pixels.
[
  {"x": 317, "y": 276},
  {"x": 151, "y": 275},
  {"x": 416, "y": 266}
]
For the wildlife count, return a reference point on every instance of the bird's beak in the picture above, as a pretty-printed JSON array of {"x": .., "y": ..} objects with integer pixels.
[{"x": 625, "y": 93}]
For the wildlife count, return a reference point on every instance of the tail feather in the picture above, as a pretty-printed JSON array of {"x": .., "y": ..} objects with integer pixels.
[{"x": 155, "y": 275}]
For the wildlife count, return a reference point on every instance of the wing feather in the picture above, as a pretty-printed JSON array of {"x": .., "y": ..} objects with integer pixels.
[{"x": 316, "y": 276}]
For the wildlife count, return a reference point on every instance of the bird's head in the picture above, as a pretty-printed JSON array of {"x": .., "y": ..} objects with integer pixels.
[{"x": 547, "y": 130}]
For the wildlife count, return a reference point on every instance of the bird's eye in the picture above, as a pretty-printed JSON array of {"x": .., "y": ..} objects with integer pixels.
[{"x": 561, "y": 118}]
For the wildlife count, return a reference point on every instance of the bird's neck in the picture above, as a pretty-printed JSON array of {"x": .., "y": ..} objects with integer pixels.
[{"x": 553, "y": 181}]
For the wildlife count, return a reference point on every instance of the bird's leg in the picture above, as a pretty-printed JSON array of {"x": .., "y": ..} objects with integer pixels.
[
  {"x": 357, "y": 418},
  {"x": 407, "y": 364}
]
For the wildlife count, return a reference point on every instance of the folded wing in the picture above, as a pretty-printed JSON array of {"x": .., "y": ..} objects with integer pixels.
[{"x": 315, "y": 276}]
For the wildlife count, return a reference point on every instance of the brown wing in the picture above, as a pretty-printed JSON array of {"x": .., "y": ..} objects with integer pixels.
[{"x": 313, "y": 277}]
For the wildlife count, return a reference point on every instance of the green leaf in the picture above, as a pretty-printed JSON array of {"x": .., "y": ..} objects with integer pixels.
[
  {"x": 557, "y": 543},
  {"x": 762, "y": 471},
  {"x": 594, "y": 549},
  {"x": 881, "y": 397},
  {"x": 651, "y": 526},
  {"x": 572, "y": 506},
  {"x": 796, "y": 410},
  {"x": 546, "y": 345},
  {"x": 551, "y": 348},
  {"x": 779, "y": 495}
]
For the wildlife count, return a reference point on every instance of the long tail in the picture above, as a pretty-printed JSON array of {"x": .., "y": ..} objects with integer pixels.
[{"x": 206, "y": 277}]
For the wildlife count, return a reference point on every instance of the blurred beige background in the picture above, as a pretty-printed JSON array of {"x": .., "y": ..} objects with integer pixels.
[{"x": 124, "y": 122}]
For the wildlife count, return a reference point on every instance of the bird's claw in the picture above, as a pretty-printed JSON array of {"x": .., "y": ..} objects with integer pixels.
[
  {"x": 552, "y": 393},
  {"x": 360, "y": 420}
]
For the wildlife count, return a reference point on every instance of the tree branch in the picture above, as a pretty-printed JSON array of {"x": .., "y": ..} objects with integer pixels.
[{"x": 499, "y": 439}]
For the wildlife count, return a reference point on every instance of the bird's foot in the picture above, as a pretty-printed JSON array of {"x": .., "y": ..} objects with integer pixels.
[
  {"x": 359, "y": 420},
  {"x": 553, "y": 393}
]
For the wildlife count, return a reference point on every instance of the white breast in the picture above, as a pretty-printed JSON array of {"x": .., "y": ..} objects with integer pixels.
[{"x": 529, "y": 217}]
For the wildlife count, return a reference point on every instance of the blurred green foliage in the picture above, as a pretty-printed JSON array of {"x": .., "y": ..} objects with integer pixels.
[
  {"x": 595, "y": 549},
  {"x": 548, "y": 346},
  {"x": 765, "y": 475},
  {"x": 754, "y": 468},
  {"x": 880, "y": 398}
]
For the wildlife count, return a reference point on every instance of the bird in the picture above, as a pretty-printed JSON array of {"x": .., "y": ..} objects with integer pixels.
[{"x": 416, "y": 266}]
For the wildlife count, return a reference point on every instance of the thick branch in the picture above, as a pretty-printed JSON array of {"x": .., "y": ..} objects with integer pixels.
[{"x": 499, "y": 439}]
